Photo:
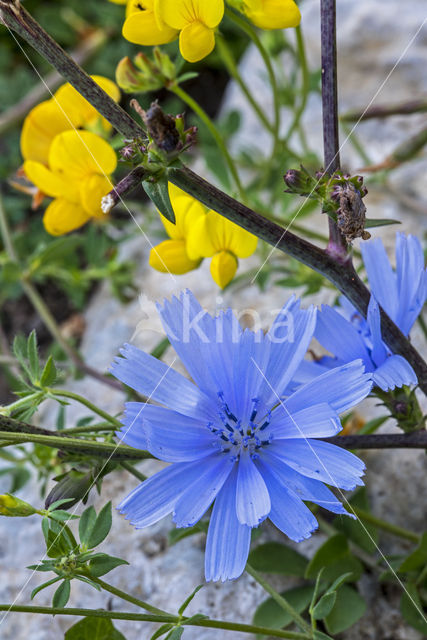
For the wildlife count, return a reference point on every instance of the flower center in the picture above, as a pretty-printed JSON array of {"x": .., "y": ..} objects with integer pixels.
[{"x": 235, "y": 437}]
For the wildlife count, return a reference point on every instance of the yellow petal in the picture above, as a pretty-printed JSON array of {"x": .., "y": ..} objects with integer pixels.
[
  {"x": 180, "y": 13},
  {"x": 273, "y": 14},
  {"x": 199, "y": 242},
  {"x": 226, "y": 235},
  {"x": 187, "y": 211},
  {"x": 80, "y": 153},
  {"x": 50, "y": 183},
  {"x": 171, "y": 256},
  {"x": 196, "y": 41},
  {"x": 80, "y": 110},
  {"x": 63, "y": 216},
  {"x": 223, "y": 268},
  {"x": 92, "y": 190},
  {"x": 142, "y": 28},
  {"x": 40, "y": 127}
]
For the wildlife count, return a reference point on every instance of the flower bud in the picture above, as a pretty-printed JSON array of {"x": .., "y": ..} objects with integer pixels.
[{"x": 13, "y": 507}]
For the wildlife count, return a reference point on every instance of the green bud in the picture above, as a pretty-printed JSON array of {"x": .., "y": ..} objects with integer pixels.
[
  {"x": 145, "y": 74},
  {"x": 73, "y": 485},
  {"x": 12, "y": 507}
]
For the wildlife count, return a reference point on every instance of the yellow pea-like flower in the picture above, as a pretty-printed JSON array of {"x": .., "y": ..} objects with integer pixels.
[
  {"x": 271, "y": 14},
  {"x": 66, "y": 110},
  {"x": 171, "y": 255},
  {"x": 161, "y": 21},
  {"x": 215, "y": 236},
  {"x": 77, "y": 176}
]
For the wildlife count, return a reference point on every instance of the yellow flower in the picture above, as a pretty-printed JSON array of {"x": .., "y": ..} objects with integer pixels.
[
  {"x": 161, "y": 21},
  {"x": 77, "y": 177},
  {"x": 271, "y": 14},
  {"x": 14, "y": 507},
  {"x": 213, "y": 235},
  {"x": 66, "y": 110},
  {"x": 143, "y": 24},
  {"x": 171, "y": 255}
]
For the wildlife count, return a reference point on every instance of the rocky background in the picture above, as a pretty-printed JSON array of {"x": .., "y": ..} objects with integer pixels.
[{"x": 382, "y": 59}]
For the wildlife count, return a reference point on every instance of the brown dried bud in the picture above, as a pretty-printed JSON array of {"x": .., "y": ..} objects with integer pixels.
[{"x": 351, "y": 216}]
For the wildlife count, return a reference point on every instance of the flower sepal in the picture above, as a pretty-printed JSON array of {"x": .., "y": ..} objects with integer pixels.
[{"x": 403, "y": 406}]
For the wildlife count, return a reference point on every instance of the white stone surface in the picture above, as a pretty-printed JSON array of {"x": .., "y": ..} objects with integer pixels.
[{"x": 372, "y": 36}]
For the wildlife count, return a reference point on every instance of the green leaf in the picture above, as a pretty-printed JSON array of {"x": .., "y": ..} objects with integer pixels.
[
  {"x": 61, "y": 595},
  {"x": 35, "y": 591},
  {"x": 365, "y": 535},
  {"x": 175, "y": 634},
  {"x": 162, "y": 630},
  {"x": 159, "y": 195},
  {"x": 335, "y": 557},
  {"x": 186, "y": 76},
  {"x": 274, "y": 557},
  {"x": 270, "y": 614},
  {"x": 49, "y": 373},
  {"x": 412, "y": 609},
  {"x": 379, "y": 222},
  {"x": 101, "y": 527},
  {"x": 86, "y": 524},
  {"x": 318, "y": 635},
  {"x": 324, "y": 606},
  {"x": 348, "y": 608},
  {"x": 62, "y": 516},
  {"x": 417, "y": 558},
  {"x": 104, "y": 563},
  {"x": 93, "y": 629},
  {"x": 175, "y": 535},
  {"x": 189, "y": 599},
  {"x": 33, "y": 355}
]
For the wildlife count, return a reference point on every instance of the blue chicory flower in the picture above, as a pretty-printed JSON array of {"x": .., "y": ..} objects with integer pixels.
[
  {"x": 403, "y": 292},
  {"x": 230, "y": 439}
]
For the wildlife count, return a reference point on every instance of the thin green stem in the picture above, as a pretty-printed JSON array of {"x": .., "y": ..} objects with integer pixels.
[
  {"x": 63, "y": 393},
  {"x": 385, "y": 526},
  {"x": 22, "y": 402},
  {"x": 161, "y": 619},
  {"x": 423, "y": 325},
  {"x": 131, "y": 469},
  {"x": 281, "y": 601},
  {"x": 227, "y": 58},
  {"x": 250, "y": 31},
  {"x": 185, "y": 97},
  {"x": 127, "y": 597},
  {"x": 305, "y": 84}
]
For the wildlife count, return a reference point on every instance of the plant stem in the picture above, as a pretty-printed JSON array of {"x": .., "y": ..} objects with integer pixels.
[
  {"x": 141, "y": 617},
  {"x": 17, "y": 432},
  {"x": 414, "y": 440},
  {"x": 281, "y": 601},
  {"x": 250, "y": 31},
  {"x": 129, "y": 467},
  {"x": 63, "y": 393},
  {"x": 337, "y": 244},
  {"x": 42, "y": 309},
  {"x": 342, "y": 275},
  {"x": 227, "y": 58},
  {"x": 127, "y": 597},
  {"x": 185, "y": 97},
  {"x": 305, "y": 83},
  {"x": 385, "y": 526},
  {"x": 19, "y": 20}
]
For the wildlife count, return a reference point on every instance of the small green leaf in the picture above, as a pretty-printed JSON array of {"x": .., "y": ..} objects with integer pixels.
[
  {"x": 61, "y": 595},
  {"x": 101, "y": 527},
  {"x": 274, "y": 557},
  {"x": 162, "y": 630},
  {"x": 379, "y": 222},
  {"x": 348, "y": 608},
  {"x": 332, "y": 550},
  {"x": 189, "y": 599},
  {"x": 35, "y": 591},
  {"x": 270, "y": 614},
  {"x": 412, "y": 609},
  {"x": 175, "y": 634},
  {"x": 175, "y": 535},
  {"x": 93, "y": 629},
  {"x": 62, "y": 516},
  {"x": 318, "y": 635},
  {"x": 417, "y": 558},
  {"x": 49, "y": 373},
  {"x": 86, "y": 524},
  {"x": 33, "y": 356},
  {"x": 324, "y": 606},
  {"x": 158, "y": 192},
  {"x": 104, "y": 563}
]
